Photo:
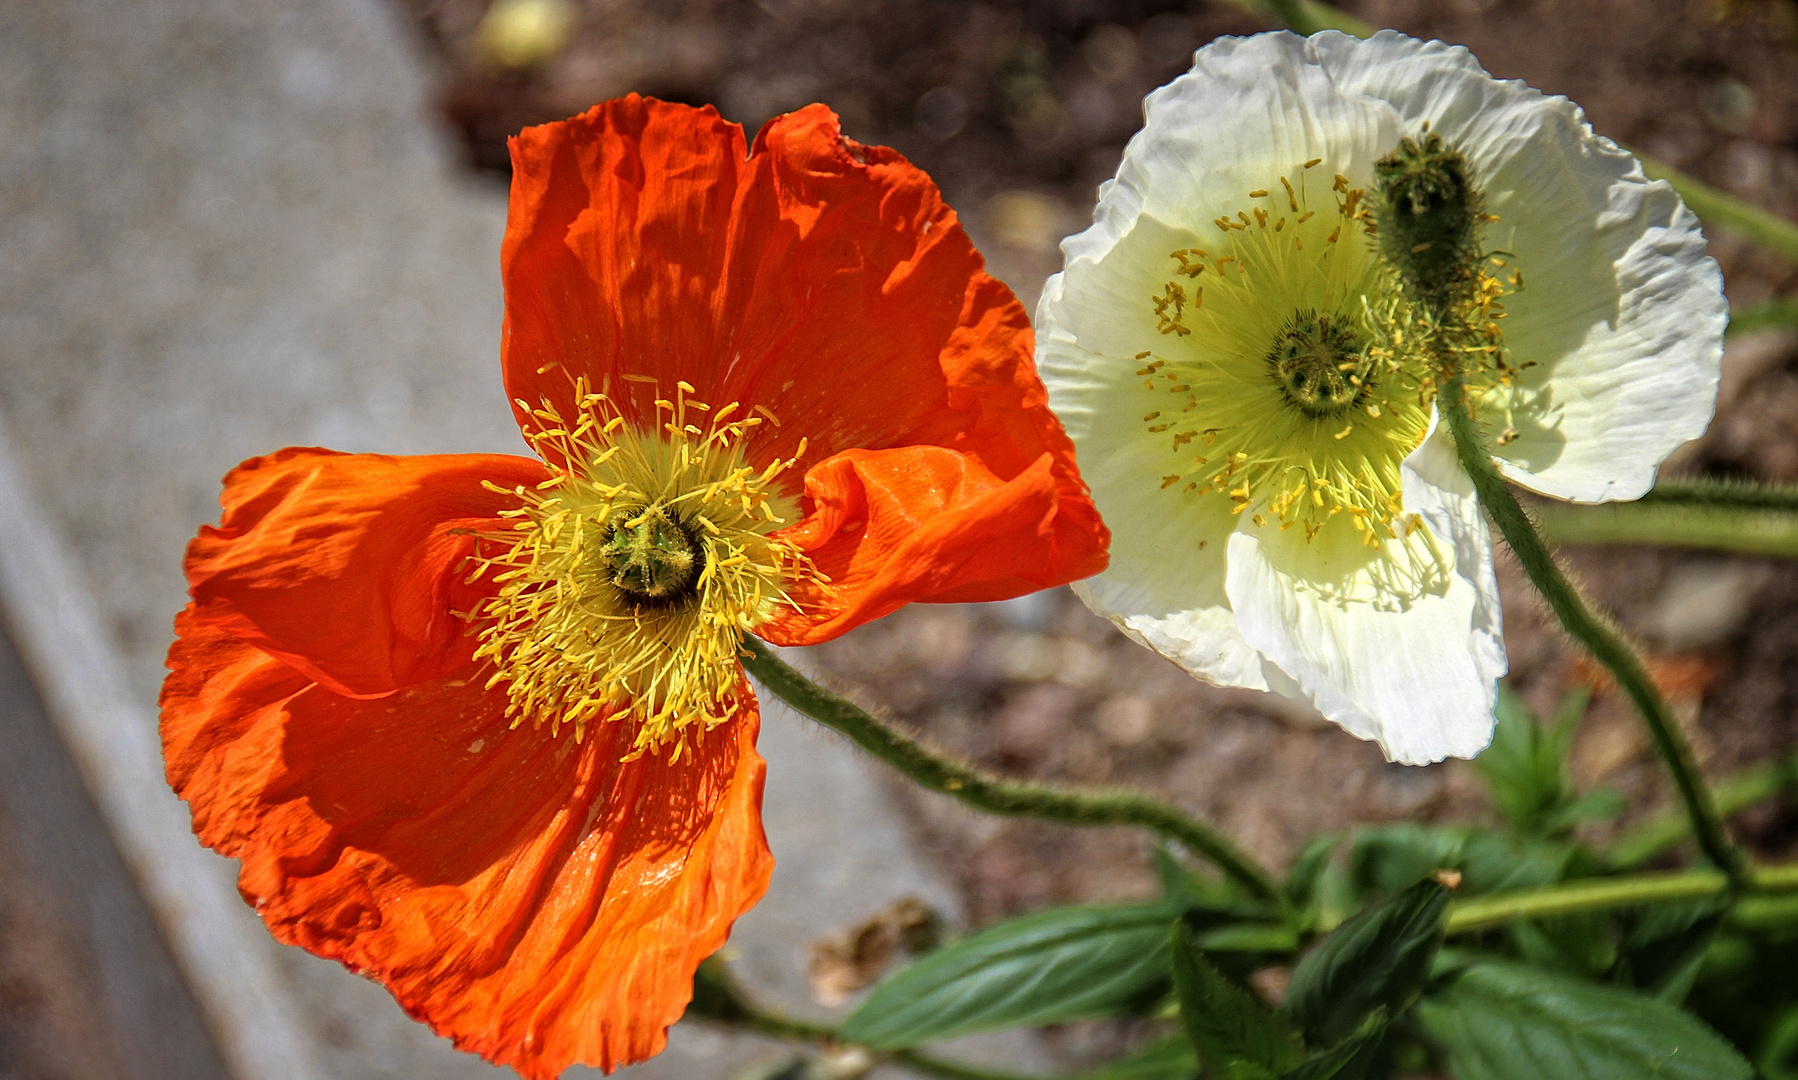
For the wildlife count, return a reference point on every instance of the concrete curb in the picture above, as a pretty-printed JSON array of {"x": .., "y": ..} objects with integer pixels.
[{"x": 216, "y": 939}]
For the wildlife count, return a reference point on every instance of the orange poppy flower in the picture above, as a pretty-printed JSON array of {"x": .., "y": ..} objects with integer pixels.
[{"x": 474, "y": 723}]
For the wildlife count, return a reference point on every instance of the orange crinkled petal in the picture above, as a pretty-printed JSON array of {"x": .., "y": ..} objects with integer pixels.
[
  {"x": 352, "y": 568},
  {"x": 824, "y": 283},
  {"x": 538, "y": 901}
]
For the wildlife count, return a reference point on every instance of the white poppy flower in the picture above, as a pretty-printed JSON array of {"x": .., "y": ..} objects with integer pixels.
[{"x": 1248, "y": 393}]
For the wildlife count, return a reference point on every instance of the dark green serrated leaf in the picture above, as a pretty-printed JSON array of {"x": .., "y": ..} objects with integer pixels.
[
  {"x": 1237, "y": 1037},
  {"x": 1664, "y": 950},
  {"x": 1348, "y": 1059},
  {"x": 1506, "y": 1021},
  {"x": 1070, "y": 963},
  {"x": 1380, "y": 957},
  {"x": 1172, "y": 1058}
]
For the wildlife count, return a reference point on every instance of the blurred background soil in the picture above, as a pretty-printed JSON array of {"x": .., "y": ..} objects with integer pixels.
[{"x": 1019, "y": 110}]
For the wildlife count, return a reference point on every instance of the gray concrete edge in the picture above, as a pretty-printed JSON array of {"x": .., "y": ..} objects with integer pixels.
[{"x": 218, "y": 942}]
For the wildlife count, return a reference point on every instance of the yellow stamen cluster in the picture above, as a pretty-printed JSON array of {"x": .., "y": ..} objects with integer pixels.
[
  {"x": 628, "y": 577},
  {"x": 1294, "y": 376}
]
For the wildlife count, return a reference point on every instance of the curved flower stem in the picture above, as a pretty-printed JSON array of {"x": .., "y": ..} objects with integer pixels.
[
  {"x": 997, "y": 796},
  {"x": 1771, "y": 315},
  {"x": 1599, "y": 894},
  {"x": 1589, "y": 630}
]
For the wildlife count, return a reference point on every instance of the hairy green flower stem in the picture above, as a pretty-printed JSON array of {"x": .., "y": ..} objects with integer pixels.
[
  {"x": 1005, "y": 797},
  {"x": 1606, "y": 646}
]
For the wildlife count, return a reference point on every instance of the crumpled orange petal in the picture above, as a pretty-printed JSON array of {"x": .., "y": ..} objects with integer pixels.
[
  {"x": 826, "y": 283},
  {"x": 537, "y": 901},
  {"x": 350, "y": 566}
]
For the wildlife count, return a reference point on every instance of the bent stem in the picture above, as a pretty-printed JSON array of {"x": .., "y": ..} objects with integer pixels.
[
  {"x": 1485, "y": 912},
  {"x": 1589, "y": 630},
  {"x": 995, "y": 796}
]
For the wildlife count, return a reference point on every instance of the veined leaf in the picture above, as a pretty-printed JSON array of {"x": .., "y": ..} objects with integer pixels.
[
  {"x": 1380, "y": 957},
  {"x": 1385, "y": 859},
  {"x": 1506, "y": 1021},
  {"x": 1237, "y": 1037},
  {"x": 1348, "y": 1059},
  {"x": 1067, "y": 963}
]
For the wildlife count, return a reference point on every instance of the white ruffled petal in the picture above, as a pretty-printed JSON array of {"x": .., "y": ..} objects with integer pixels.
[
  {"x": 1617, "y": 332},
  {"x": 1165, "y": 584},
  {"x": 1622, "y": 313},
  {"x": 1413, "y": 667}
]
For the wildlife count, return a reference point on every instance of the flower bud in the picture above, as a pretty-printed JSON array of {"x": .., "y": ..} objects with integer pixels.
[{"x": 1428, "y": 212}]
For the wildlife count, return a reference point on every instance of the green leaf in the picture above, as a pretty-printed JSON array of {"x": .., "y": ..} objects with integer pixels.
[
  {"x": 1501, "y": 863},
  {"x": 1386, "y": 859},
  {"x": 1526, "y": 764},
  {"x": 1237, "y": 1037},
  {"x": 1250, "y": 937},
  {"x": 1380, "y": 957},
  {"x": 1307, "y": 871},
  {"x": 1348, "y": 1059},
  {"x": 1068, "y": 963},
  {"x": 1186, "y": 890},
  {"x": 1172, "y": 1058},
  {"x": 1665, "y": 948},
  {"x": 1505, "y": 1021},
  {"x": 1578, "y": 944}
]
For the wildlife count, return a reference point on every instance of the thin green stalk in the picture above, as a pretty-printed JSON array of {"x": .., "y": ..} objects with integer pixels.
[
  {"x": 1723, "y": 494},
  {"x": 1663, "y": 524},
  {"x": 1589, "y": 630},
  {"x": 1307, "y": 16},
  {"x": 1602, "y": 894},
  {"x": 997, "y": 796},
  {"x": 1771, "y": 315},
  {"x": 1643, "y": 843}
]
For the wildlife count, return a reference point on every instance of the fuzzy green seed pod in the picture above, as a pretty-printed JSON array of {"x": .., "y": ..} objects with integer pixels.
[{"x": 1428, "y": 211}]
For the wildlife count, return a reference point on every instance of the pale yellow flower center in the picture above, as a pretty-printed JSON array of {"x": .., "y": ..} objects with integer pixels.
[{"x": 1294, "y": 377}]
